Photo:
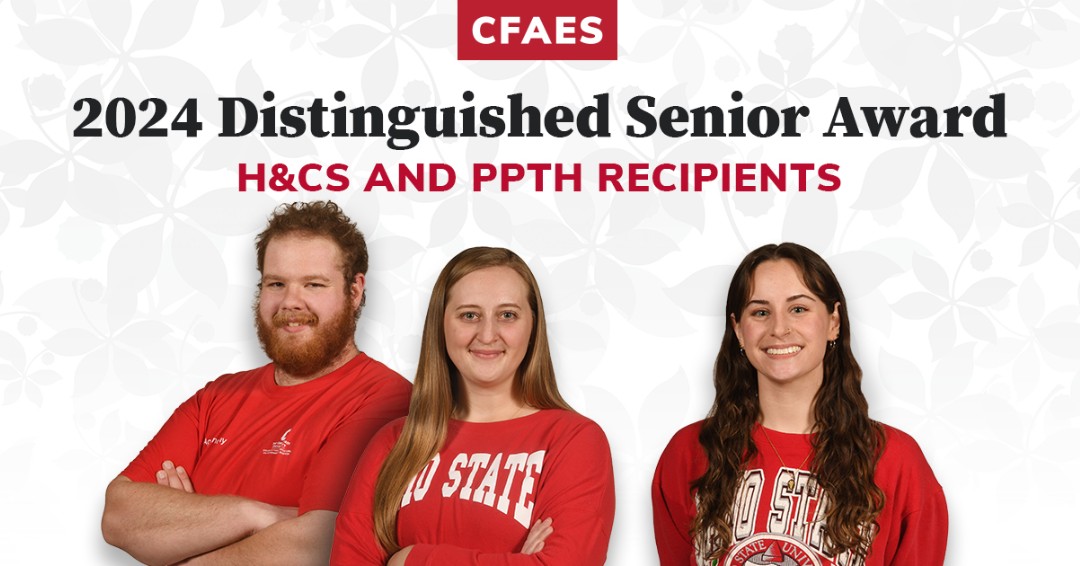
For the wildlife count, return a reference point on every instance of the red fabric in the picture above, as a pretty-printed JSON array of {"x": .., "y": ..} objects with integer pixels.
[
  {"x": 913, "y": 526},
  {"x": 292, "y": 446},
  {"x": 559, "y": 459}
]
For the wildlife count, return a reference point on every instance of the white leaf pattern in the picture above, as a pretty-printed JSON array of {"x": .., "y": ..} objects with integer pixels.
[{"x": 126, "y": 264}]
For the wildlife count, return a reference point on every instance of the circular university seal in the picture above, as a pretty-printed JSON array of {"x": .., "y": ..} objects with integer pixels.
[{"x": 771, "y": 550}]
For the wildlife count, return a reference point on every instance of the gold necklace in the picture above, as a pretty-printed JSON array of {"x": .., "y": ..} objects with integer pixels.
[
  {"x": 790, "y": 482},
  {"x": 518, "y": 412}
]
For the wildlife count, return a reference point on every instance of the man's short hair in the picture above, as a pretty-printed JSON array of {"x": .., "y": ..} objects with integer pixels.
[{"x": 319, "y": 218}]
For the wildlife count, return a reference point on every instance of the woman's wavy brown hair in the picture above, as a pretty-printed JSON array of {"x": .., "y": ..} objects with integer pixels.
[
  {"x": 847, "y": 443},
  {"x": 436, "y": 394}
]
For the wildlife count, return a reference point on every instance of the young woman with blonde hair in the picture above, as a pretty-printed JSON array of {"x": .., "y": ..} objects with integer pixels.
[
  {"x": 491, "y": 466},
  {"x": 788, "y": 467}
]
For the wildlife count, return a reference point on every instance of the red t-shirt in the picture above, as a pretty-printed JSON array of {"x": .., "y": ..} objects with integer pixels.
[
  {"x": 292, "y": 446},
  {"x": 474, "y": 503},
  {"x": 777, "y": 522}
]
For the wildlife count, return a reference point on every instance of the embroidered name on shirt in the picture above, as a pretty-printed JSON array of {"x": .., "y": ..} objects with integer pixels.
[
  {"x": 280, "y": 447},
  {"x": 216, "y": 441},
  {"x": 495, "y": 480}
]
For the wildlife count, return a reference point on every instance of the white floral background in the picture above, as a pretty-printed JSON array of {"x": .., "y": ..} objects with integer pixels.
[{"x": 127, "y": 272}]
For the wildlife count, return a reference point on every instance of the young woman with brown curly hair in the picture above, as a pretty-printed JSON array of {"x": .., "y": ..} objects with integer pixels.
[{"x": 788, "y": 467}]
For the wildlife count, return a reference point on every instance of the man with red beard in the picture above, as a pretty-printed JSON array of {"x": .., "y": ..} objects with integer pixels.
[{"x": 252, "y": 468}]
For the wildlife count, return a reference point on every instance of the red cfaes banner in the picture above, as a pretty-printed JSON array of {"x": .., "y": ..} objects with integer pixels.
[{"x": 552, "y": 30}]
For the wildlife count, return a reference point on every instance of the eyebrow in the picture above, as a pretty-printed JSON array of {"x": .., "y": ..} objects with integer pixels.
[
  {"x": 502, "y": 306},
  {"x": 315, "y": 277},
  {"x": 789, "y": 299}
]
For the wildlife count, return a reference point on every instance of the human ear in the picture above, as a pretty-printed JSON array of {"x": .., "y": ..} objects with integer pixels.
[
  {"x": 735, "y": 327},
  {"x": 834, "y": 322},
  {"x": 356, "y": 290}
]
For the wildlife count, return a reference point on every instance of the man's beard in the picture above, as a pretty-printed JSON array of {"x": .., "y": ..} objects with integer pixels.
[{"x": 305, "y": 358}]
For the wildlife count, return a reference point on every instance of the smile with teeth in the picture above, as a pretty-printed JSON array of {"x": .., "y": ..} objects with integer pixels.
[
  {"x": 293, "y": 321},
  {"x": 782, "y": 351}
]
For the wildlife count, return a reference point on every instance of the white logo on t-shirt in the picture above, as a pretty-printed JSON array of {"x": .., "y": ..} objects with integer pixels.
[{"x": 280, "y": 447}]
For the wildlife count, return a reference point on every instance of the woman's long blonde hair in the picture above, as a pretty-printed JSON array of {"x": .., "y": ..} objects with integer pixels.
[{"x": 436, "y": 393}]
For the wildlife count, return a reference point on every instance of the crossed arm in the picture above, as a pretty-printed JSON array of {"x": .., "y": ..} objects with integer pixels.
[
  {"x": 575, "y": 528},
  {"x": 534, "y": 543},
  {"x": 168, "y": 523}
]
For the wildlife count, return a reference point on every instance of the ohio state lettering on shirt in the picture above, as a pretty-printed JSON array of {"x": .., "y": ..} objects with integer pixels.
[
  {"x": 794, "y": 521},
  {"x": 779, "y": 508},
  {"x": 478, "y": 477},
  {"x": 474, "y": 502}
]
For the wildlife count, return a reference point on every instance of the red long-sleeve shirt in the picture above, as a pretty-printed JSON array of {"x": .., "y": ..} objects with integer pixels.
[
  {"x": 474, "y": 503},
  {"x": 777, "y": 522}
]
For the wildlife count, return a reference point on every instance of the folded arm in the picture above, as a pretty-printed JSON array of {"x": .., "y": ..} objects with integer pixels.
[
  {"x": 577, "y": 502},
  {"x": 293, "y": 542},
  {"x": 157, "y": 524},
  {"x": 534, "y": 543}
]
